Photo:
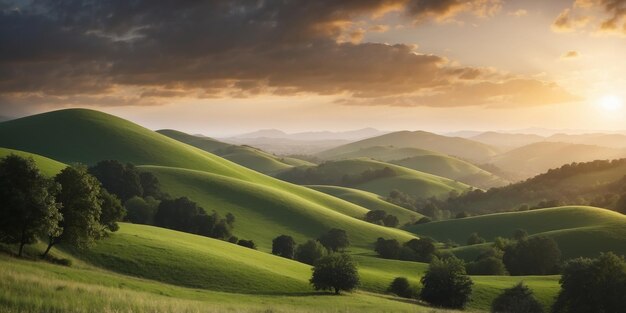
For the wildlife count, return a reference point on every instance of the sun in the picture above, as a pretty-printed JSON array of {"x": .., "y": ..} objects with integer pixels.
[{"x": 611, "y": 103}]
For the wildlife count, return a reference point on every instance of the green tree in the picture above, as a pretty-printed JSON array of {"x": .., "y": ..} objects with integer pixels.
[
  {"x": 592, "y": 285},
  {"x": 401, "y": 287},
  {"x": 424, "y": 248},
  {"x": 336, "y": 272},
  {"x": 387, "y": 248},
  {"x": 446, "y": 283},
  {"x": 112, "y": 210},
  {"x": 247, "y": 243},
  {"x": 518, "y": 299},
  {"x": 178, "y": 214},
  {"x": 533, "y": 256},
  {"x": 119, "y": 179},
  {"x": 487, "y": 266},
  {"x": 475, "y": 239},
  {"x": 310, "y": 251},
  {"x": 81, "y": 208},
  {"x": 391, "y": 221},
  {"x": 140, "y": 210},
  {"x": 375, "y": 216},
  {"x": 284, "y": 246},
  {"x": 520, "y": 234},
  {"x": 335, "y": 240},
  {"x": 27, "y": 203}
]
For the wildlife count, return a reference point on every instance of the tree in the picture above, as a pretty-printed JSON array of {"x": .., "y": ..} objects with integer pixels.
[
  {"x": 592, "y": 285},
  {"x": 112, "y": 211},
  {"x": 375, "y": 216},
  {"x": 178, "y": 214},
  {"x": 400, "y": 286},
  {"x": 247, "y": 243},
  {"x": 446, "y": 283},
  {"x": 475, "y": 239},
  {"x": 520, "y": 234},
  {"x": 81, "y": 208},
  {"x": 336, "y": 272},
  {"x": 391, "y": 221},
  {"x": 140, "y": 210},
  {"x": 532, "y": 256},
  {"x": 487, "y": 266},
  {"x": 150, "y": 185},
  {"x": 310, "y": 251},
  {"x": 117, "y": 178},
  {"x": 27, "y": 203},
  {"x": 284, "y": 246},
  {"x": 335, "y": 240},
  {"x": 387, "y": 248},
  {"x": 518, "y": 299},
  {"x": 424, "y": 248}
]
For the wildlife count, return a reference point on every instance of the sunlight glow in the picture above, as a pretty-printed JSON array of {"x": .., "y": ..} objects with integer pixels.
[{"x": 611, "y": 103}]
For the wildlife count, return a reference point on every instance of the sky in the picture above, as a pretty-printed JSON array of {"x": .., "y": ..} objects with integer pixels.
[{"x": 226, "y": 67}]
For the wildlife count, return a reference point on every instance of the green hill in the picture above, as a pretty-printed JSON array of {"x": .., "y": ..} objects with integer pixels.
[
  {"x": 352, "y": 173},
  {"x": 47, "y": 166},
  {"x": 370, "y": 201},
  {"x": 454, "y": 146},
  {"x": 381, "y": 153},
  {"x": 247, "y": 156},
  {"x": 579, "y": 230}
]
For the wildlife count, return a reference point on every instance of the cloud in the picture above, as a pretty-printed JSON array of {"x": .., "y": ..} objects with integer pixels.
[
  {"x": 519, "y": 13},
  {"x": 572, "y": 54},
  {"x": 151, "y": 52},
  {"x": 610, "y": 14}
]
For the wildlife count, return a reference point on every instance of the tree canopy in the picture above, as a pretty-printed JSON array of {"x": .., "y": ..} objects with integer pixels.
[
  {"x": 337, "y": 272},
  {"x": 446, "y": 284}
]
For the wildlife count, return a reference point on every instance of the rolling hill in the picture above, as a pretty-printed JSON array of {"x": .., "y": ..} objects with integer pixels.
[
  {"x": 369, "y": 201},
  {"x": 418, "y": 184},
  {"x": 579, "y": 230},
  {"x": 506, "y": 140},
  {"x": 454, "y": 146},
  {"x": 537, "y": 158},
  {"x": 213, "y": 182},
  {"x": 47, "y": 166},
  {"x": 247, "y": 156}
]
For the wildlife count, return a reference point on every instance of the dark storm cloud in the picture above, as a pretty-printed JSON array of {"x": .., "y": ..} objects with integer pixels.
[{"x": 90, "y": 51}]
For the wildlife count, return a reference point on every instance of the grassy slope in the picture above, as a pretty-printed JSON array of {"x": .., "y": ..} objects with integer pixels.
[
  {"x": 47, "y": 166},
  {"x": 579, "y": 230},
  {"x": 369, "y": 201},
  {"x": 454, "y": 146},
  {"x": 249, "y": 157},
  {"x": 406, "y": 180},
  {"x": 266, "y": 211}
]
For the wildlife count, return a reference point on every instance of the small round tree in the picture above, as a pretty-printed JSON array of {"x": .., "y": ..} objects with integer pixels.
[
  {"x": 400, "y": 286},
  {"x": 336, "y": 272},
  {"x": 518, "y": 299},
  {"x": 309, "y": 252},
  {"x": 335, "y": 240},
  {"x": 446, "y": 284},
  {"x": 284, "y": 246}
]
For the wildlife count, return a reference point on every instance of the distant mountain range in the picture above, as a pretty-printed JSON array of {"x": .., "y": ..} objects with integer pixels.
[{"x": 314, "y": 136}]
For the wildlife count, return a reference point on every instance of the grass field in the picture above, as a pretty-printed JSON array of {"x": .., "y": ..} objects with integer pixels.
[{"x": 579, "y": 230}]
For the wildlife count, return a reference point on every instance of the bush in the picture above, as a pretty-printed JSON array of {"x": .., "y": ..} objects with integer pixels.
[
  {"x": 247, "y": 243},
  {"x": 284, "y": 246},
  {"x": 487, "y": 266},
  {"x": 518, "y": 299},
  {"x": 424, "y": 248},
  {"x": 474, "y": 239},
  {"x": 310, "y": 251},
  {"x": 400, "y": 286},
  {"x": 533, "y": 256},
  {"x": 592, "y": 285},
  {"x": 335, "y": 240},
  {"x": 336, "y": 272},
  {"x": 387, "y": 248},
  {"x": 446, "y": 284},
  {"x": 391, "y": 221}
]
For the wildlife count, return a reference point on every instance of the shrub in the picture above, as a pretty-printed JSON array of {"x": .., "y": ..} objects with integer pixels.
[
  {"x": 446, "y": 283},
  {"x": 518, "y": 299},
  {"x": 309, "y": 252},
  {"x": 533, "y": 256},
  {"x": 474, "y": 239},
  {"x": 335, "y": 240},
  {"x": 391, "y": 221},
  {"x": 247, "y": 243},
  {"x": 336, "y": 272},
  {"x": 400, "y": 286},
  {"x": 387, "y": 248},
  {"x": 486, "y": 266},
  {"x": 284, "y": 246}
]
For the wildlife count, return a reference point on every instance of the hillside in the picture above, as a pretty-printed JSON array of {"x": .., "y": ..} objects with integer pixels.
[
  {"x": 579, "y": 230},
  {"x": 507, "y": 141},
  {"x": 617, "y": 141},
  {"x": 47, "y": 166},
  {"x": 536, "y": 158},
  {"x": 385, "y": 177},
  {"x": 369, "y": 201},
  {"x": 454, "y": 146},
  {"x": 247, "y": 156}
]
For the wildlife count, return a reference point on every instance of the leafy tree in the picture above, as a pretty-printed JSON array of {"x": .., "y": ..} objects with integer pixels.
[
  {"x": 387, "y": 248},
  {"x": 310, "y": 251},
  {"x": 150, "y": 185},
  {"x": 520, "y": 234},
  {"x": 81, "y": 208},
  {"x": 222, "y": 230},
  {"x": 487, "y": 266},
  {"x": 27, "y": 203},
  {"x": 375, "y": 216},
  {"x": 247, "y": 243},
  {"x": 178, "y": 214},
  {"x": 532, "y": 256},
  {"x": 336, "y": 272},
  {"x": 475, "y": 239},
  {"x": 424, "y": 248},
  {"x": 112, "y": 211},
  {"x": 284, "y": 246},
  {"x": 400, "y": 286},
  {"x": 446, "y": 283},
  {"x": 140, "y": 210},
  {"x": 117, "y": 178},
  {"x": 592, "y": 285},
  {"x": 391, "y": 221},
  {"x": 518, "y": 299},
  {"x": 335, "y": 240}
]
